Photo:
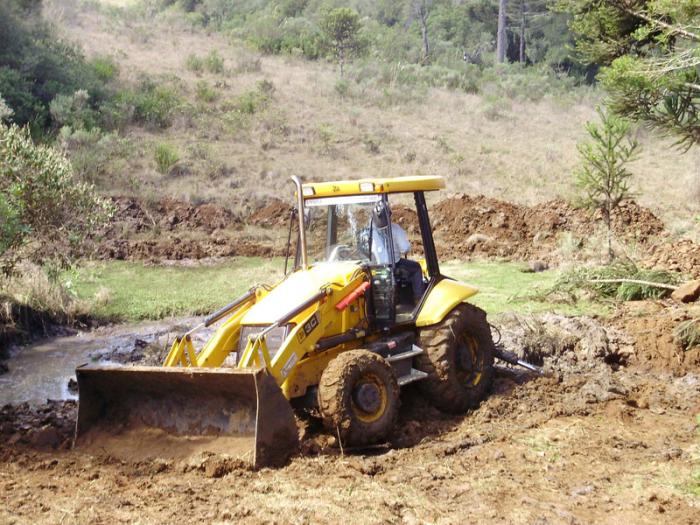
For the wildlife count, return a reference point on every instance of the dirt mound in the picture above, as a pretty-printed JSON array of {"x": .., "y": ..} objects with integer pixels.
[
  {"x": 44, "y": 427},
  {"x": 681, "y": 256},
  {"x": 652, "y": 326},
  {"x": 177, "y": 248},
  {"x": 466, "y": 225},
  {"x": 172, "y": 229},
  {"x": 407, "y": 218},
  {"x": 134, "y": 215},
  {"x": 566, "y": 345},
  {"x": 275, "y": 214}
]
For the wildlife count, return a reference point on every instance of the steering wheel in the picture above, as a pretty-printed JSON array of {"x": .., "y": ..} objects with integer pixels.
[{"x": 342, "y": 252}]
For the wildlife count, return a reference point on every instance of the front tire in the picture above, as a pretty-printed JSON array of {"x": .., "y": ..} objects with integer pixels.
[
  {"x": 458, "y": 358},
  {"x": 358, "y": 397}
]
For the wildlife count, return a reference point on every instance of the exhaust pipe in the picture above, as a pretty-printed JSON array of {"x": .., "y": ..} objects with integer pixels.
[{"x": 302, "y": 229}]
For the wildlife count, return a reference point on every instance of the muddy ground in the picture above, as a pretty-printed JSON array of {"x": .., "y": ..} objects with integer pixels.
[
  {"x": 464, "y": 226},
  {"x": 610, "y": 435}
]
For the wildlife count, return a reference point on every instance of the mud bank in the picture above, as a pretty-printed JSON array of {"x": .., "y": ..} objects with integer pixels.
[{"x": 465, "y": 226}]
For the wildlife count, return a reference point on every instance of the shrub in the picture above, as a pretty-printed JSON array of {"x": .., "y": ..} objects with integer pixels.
[
  {"x": 94, "y": 154},
  {"x": 166, "y": 156},
  {"x": 148, "y": 104},
  {"x": 687, "y": 333},
  {"x": 36, "y": 66},
  {"x": 255, "y": 100},
  {"x": 194, "y": 63},
  {"x": 342, "y": 87},
  {"x": 5, "y": 110},
  {"x": 73, "y": 110},
  {"x": 213, "y": 62},
  {"x": 205, "y": 92},
  {"x": 42, "y": 206},
  {"x": 105, "y": 68}
]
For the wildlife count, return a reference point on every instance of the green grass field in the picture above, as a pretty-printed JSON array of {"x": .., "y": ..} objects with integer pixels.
[{"x": 131, "y": 291}]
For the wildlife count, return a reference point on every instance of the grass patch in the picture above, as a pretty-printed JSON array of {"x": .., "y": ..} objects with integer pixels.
[
  {"x": 205, "y": 92},
  {"x": 687, "y": 333},
  {"x": 504, "y": 287},
  {"x": 212, "y": 63},
  {"x": 138, "y": 292},
  {"x": 166, "y": 156}
]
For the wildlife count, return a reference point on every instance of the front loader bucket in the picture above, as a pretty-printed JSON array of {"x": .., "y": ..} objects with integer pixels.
[{"x": 144, "y": 412}]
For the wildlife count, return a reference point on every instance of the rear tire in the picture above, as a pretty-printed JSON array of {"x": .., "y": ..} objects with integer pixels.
[
  {"x": 358, "y": 397},
  {"x": 458, "y": 358}
]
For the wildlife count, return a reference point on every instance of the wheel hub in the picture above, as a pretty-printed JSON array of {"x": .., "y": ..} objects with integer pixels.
[
  {"x": 465, "y": 358},
  {"x": 367, "y": 397}
]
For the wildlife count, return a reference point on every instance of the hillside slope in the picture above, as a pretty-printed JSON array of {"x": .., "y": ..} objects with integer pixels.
[{"x": 240, "y": 132}]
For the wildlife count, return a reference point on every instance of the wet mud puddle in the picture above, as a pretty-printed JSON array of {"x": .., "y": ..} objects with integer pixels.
[{"x": 42, "y": 370}]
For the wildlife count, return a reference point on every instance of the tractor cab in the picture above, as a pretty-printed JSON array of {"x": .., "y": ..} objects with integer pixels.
[{"x": 352, "y": 221}]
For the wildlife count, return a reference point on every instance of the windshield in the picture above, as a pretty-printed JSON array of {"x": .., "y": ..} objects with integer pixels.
[{"x": 346, "y": 229}]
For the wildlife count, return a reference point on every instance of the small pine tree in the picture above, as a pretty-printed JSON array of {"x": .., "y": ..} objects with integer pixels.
[
  {"x": 603, "y": 177},
  {"x": 341, "y": 28}
]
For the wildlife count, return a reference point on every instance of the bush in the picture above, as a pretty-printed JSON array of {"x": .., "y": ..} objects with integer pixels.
[
  {"x": 148, "y": 104},
  {"x": 95, "y": 155},
  {"x": 194, "y": 63},
  {"x": 213, "y": 62},
  {"x": 205, "y": 92},
  {"x": 255, "y": 100},
  {"x": 73, "y": 110},
  {"x": 42, "y": 208},
  {"x": 105, "y": 68},
  {"x": 687, "y": 333},
  {"x": 166, "y": 156},
  {"x": 5, "y": 110},
  {"x": 36, "y": 67}
]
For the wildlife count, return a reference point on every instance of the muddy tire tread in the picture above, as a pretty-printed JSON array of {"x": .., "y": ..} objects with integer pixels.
[
  {"x": 334, "y": 403},
  {"x": 442, "y": 387}
]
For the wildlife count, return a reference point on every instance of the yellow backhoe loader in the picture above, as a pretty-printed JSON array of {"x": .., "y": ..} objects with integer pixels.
[{"x": 349, "y": 325}]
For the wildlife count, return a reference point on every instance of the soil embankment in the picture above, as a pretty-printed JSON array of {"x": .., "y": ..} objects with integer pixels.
[{"x": 464, "y": 227}]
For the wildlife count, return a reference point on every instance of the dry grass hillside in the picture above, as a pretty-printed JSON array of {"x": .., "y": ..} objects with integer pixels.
[{"x": 241, "y": 130}]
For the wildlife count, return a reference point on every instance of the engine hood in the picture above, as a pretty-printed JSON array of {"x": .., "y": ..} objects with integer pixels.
[{"x": 297, "y": 288}]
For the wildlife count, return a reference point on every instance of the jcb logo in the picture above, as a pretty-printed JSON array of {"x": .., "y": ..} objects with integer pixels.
[
  {"x": 311, "y": 324},
  {"x": 308, "y": 327}
]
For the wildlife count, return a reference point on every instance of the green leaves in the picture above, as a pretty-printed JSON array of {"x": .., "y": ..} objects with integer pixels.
[
  {"x": 341, "y": 28},
  {"x": 43, "y": 209},
  {"x": 651, "y": 53},
  {"x": 603, "y": 177}
]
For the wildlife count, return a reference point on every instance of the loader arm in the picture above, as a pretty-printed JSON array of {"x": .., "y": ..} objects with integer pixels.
[
  {"x": 312, "y": 321},
  {"x": 222, "y": 342}
]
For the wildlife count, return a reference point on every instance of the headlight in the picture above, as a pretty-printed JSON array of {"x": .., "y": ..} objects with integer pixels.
[{"x": 274, "y": 338}]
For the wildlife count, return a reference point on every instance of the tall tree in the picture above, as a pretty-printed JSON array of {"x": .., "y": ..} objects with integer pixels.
[
  {"x": 501, "y": 37},
  {"x": 341, "y": 27},
  {"x": 421, "y": 9},
  {"x": 523, "y": 21},
  {"x": 651, "y": 53}
]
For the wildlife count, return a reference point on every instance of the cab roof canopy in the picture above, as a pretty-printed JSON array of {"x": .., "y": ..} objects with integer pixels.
[{"x": 372, "y": 186}]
